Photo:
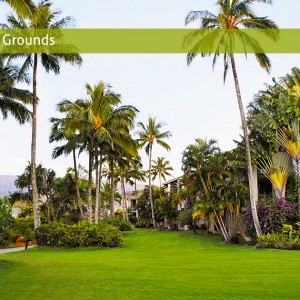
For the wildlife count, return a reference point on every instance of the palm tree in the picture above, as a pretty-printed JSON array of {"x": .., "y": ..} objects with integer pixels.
[
  {"x": 12, "y": 99},
  {"x": 231, "y": 15},
  {"x": 41, "y": 18},
  {"x": 61, "y": 131},
  {"x": 289, "y": 139},
  {"x": 161, "y": 168},
  {"x": 101, "y": 123},
  {"x": 149, "y": 134},
  {"x": 22, "y": 7},
  {"x": 277, "y": 171},
  {"x": 137, "y": 174}
]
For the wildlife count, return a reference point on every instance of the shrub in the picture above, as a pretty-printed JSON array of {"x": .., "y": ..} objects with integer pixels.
[
  {"x": 288, "y": 238},
  {"x": 117, "y": 222},
  {"x": 185, "y": 218},
  {"x": 271, "y": 217},
  {"x": 6, "y": 221},
  {"x": 79, "y": 235},
  {"x": 22, "y": 227}
]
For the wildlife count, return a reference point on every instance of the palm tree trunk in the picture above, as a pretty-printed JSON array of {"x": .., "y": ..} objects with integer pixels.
[
  {"x": 90, "y": 208},
  {"x": 160, "y": 191},
  {"x": 77, "y": 184},
  {"x": 100, "y": 182},
  {"x": 98, "y": 199},
  {"x": 35, "y": 196},
  {"x": 222, "y": 226},
  {"x": 112, "y": 187},
  {"x": 123, "y": 196},
  {"x": 150, "y": 186},
  {"x": 253, "y": 201},
  {"x": 298, "y": 183},
  {"x": 136, "y": 203},
  {"x": 97, "y": 189}
]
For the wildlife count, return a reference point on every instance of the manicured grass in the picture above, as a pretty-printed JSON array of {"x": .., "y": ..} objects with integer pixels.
[{"x": 152, "y": 265}]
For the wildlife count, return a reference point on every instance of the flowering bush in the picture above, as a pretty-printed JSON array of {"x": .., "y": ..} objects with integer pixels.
[{"x": 271, "y": 216}]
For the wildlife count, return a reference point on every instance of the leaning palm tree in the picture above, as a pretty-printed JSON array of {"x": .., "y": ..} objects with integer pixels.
[
  {"x": 161, "y": 168},
  {"x": 41, "y": 18},
  {"x": 149, "y": 134},
  {"x": 12, "y": 99},
  {"x": 232, "y": 14}
]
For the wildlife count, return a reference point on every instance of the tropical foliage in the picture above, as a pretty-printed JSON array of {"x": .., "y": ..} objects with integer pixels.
[
  {"x": 12, "y": 99},
  {"x": 216, "y": 186}
]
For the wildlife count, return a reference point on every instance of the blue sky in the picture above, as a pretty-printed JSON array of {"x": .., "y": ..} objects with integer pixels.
[{"x": 192, "y": 100}]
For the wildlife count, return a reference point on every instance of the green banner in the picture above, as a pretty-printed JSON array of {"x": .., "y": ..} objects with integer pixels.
[{"x": 204, "y": 41}]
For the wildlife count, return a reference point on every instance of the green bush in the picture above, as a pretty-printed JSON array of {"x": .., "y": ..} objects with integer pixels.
[
  {"x": 288, "y": 239},
  {"x": 79, "y": 235},
  {"x": 22, "y": 227},
  {"x": 117, "y": 222},
  {"x": 185, "y": 218},
  {"x": 6, "y": 221}
]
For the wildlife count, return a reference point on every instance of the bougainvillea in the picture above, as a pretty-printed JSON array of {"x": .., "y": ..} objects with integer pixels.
[{"x": 271, "y": 216}]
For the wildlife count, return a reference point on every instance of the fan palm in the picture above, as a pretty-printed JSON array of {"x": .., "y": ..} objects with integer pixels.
[
  {"x": 277, "y": 171},
  {"x": 289, "y": 139},
  {"x": 41, "y": 18},
  {"x": 233, "y": 14},
  {"x": 12, "y": 99},
  {"x": 149, "y": 134}
]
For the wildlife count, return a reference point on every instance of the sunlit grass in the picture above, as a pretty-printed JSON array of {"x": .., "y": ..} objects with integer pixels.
[{"x": 152, "y": 265}]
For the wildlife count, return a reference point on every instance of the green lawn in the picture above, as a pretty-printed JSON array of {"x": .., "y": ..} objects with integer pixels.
[{"x": 152, "y": 265}]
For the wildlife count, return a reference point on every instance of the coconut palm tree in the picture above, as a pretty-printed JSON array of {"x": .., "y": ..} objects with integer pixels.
[
  {"x": 149, "y": 134},
  {"x": 12, "y": 99},
  {"x": 101, "y": 123},
  {"x": 232, "y": 14},
  {"x": 41, "y": 18},
  {"x": 61, "y": 131},
  {"x": 161, "y": 168},
  {"x": 137, "y": 174}
]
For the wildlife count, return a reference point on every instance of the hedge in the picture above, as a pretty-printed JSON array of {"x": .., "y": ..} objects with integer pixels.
[{"x": 79, "y": 235}]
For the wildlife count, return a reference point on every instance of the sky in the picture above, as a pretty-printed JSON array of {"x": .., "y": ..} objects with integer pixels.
[{"x": 191, "y": 100}]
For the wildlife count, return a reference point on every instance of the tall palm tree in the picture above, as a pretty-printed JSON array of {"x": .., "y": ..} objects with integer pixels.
[
  {"x": 233, "y": 14},
  {"x": 12, "y": 99},
  {"x": 149, "y": 134},
  {"x": 161, "y": 168},
  {"x": 41, "y": 18}
]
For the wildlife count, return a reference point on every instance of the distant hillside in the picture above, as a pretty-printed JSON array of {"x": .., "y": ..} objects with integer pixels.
[{"x": 7, "y": 184}]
